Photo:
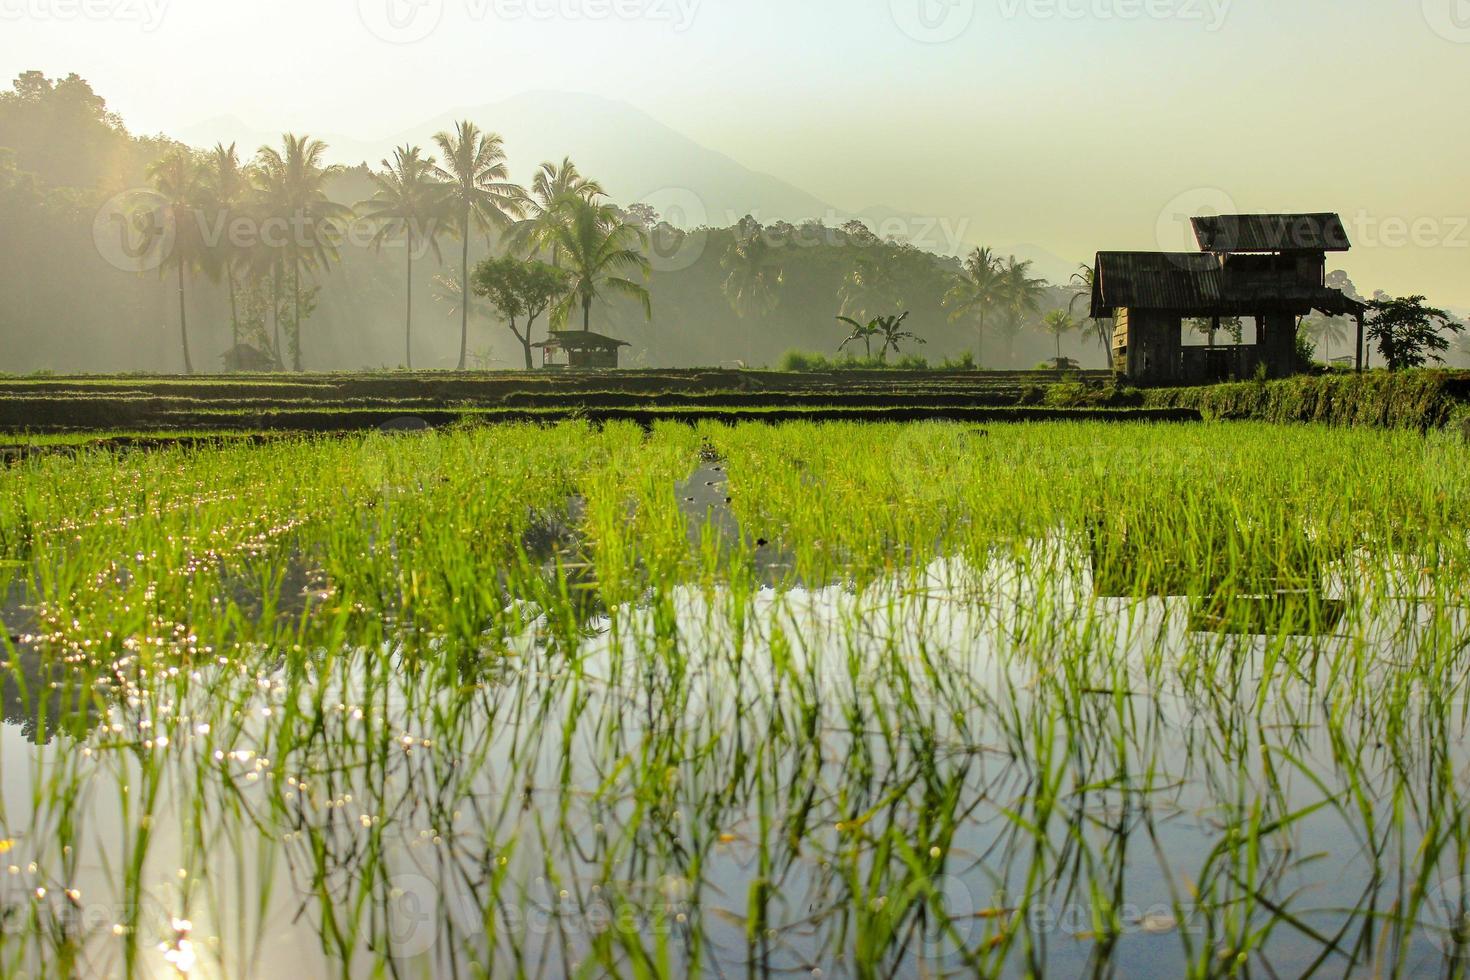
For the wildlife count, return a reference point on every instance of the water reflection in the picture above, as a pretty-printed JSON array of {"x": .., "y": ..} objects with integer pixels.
[{"x": 959, "y": 769}]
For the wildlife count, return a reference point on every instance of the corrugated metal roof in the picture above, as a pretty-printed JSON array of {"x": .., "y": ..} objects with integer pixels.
[
  {"x": 1272, "y": 233},
  {"x": 1156, "y": 281},
  {"x": 1195, "y": 284}
]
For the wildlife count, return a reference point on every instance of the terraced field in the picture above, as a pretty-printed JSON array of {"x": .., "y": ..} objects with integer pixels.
[{"x": 343, "y": 403}]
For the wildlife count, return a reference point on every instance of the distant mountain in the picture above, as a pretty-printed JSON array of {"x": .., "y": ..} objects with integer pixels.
[
  {"x": 638, "y": 158},
  {"x": 633, "y": 155}
]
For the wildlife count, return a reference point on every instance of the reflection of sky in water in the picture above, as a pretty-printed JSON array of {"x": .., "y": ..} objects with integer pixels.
[{"x": 661, "y": 763}]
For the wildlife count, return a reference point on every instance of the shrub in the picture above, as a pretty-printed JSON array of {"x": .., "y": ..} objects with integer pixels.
[
  {"x": 1409, "y": 399},
  {"x": 1071, "y": 393},
  {"x": 806, "y": 362}
]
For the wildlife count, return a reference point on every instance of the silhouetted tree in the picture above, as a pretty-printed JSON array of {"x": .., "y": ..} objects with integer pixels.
[
  {"x": 176, "y": 178},
  {"x": 520, "y": 289},
  {"x": 480, "y": 197},
  {"x": 1408, "y": 332},
  {"x": 978, "y": 291},
  {"x": 599, "y": 250},
  {"x": 409, "y": 202}
]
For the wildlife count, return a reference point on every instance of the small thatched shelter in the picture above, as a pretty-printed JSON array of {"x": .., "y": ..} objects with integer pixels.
[{"x": 578, "y": 349}]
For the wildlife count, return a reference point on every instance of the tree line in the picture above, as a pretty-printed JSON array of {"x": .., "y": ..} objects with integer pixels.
[
  {"x": 267, "y": 231},
  {"x": 566, "y": 246}
]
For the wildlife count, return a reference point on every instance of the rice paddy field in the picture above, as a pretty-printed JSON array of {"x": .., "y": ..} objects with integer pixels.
[
  {"x": 800, "y": 700},
  {"x": 76, "y": 407}
]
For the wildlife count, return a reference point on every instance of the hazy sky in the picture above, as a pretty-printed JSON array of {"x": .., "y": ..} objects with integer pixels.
[{"x": 1072, "y": 124}]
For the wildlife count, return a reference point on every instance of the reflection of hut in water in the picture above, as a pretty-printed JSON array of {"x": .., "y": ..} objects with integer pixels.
[
  {"x": 1304, "y": 612},
  {"x": 555, "y": 544},
  {"x": 1231, "y": 588}
]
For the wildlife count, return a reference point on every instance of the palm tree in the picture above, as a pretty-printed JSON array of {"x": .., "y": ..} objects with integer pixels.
[
  {"x": 1059, "y": 322},
  {"x": 551, "y": 188},
  {"x": 752, "y": 275},
  {"x": 291, "y": 190},
  {"x": 1082, "y": 288},
  {"x": 479, "y": 196},
  {"x": 893, "y": 334},
  {"x": 873, "y": 287},
  {"x": 599, "y": 248},
  {"x": 227, "y": 189},
  {"x": 176, "y": 178},
  {"x": 408, "y": 202},
  {"x": 860, "y": 331},
  {"x": 1022, "y": 297},
  {"x": 1327, "y": 331},
  {"x": 977, "y": 290}
]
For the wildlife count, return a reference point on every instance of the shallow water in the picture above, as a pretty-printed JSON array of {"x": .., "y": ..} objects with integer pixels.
[
  {"x": 882, "y": 765},
  {"x": 400, "y": 719}
]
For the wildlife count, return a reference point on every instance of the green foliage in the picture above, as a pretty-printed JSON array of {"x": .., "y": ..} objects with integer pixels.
[
  {"x": 804, "y": 362},
  {"x": 753, "y": 274},
  {"x": 602, "y": 252},
  {"x": 1408, "y": 332},
  {"x": 522, "y": 652},
  {"x": 521, "y": 290},
  {"x": 1306, "y": 349},
  {"x": 1406, "y": 400},
  {"x": 888, "y": 329},
  {"x": 1067, "y": 394},
  {"x": 1231, "y": 326}
]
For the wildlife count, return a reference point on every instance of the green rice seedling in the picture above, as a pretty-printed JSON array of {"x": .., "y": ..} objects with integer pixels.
[{"x": 1033, "y": 699}]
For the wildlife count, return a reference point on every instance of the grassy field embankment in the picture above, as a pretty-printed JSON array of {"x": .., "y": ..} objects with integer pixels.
[
  {"x": 1409, "y": 400},
  {"x": 343, "y": 403}
]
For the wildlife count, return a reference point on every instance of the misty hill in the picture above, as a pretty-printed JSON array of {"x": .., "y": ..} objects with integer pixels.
[
  {"x": 638, "y": 158},
  {"x": 633, "y": 155}
]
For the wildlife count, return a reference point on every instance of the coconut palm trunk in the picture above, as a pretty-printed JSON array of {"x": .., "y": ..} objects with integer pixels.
[
  {"x": 464, "y": 306},
  {"x": 408, "y": 315},
  {"x": 276, "y": 311},
  {"x": 296, "y": 326},
  {"x": 234, "y": 309},
  {"x": 184, "y": 323}
]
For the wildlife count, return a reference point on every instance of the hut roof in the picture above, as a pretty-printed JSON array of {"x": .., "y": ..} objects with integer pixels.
[
  {"x": 580, "y": 340},
  {"x": 1196, "y": 284},
  {"x": 1156, "y": 281},
  {"x": 1272, "y": 233}
]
